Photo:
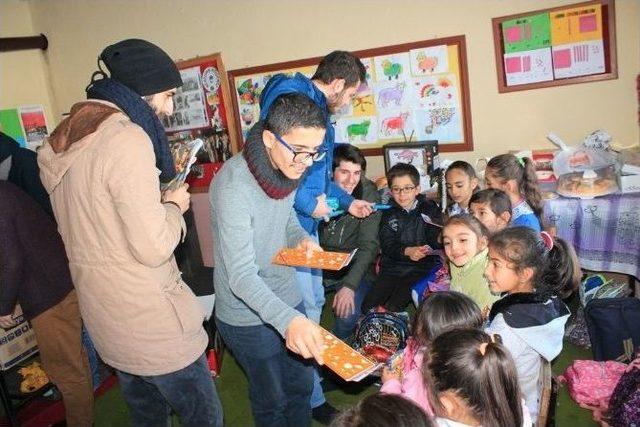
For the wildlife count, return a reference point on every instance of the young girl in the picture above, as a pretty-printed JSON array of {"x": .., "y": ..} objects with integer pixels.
[
  {"x": 439, "y": 312},
  {"x": 472, "y": 381},
  {"x": 383, "y": 410},
  {"x": 535, "y": 271},
  {"x": 462, "y": 182},
  {"x": 517, "y": 178},
  {"x": 465, "y": 243}
]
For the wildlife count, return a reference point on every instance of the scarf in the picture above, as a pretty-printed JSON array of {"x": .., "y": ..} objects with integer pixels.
[
  {"x": 272, "y": 181},
  {"x": 140, "y": 113}
]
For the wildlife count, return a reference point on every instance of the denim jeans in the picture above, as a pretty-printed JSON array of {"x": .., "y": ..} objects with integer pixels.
[
  {"x": 190, "y": 392},
  {"x": 344, "y": 327},
  {"x": 280, "y": 382},
  {"x": 94, "y": 363}
]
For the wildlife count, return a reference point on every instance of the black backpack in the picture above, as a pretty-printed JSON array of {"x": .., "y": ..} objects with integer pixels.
[
  {"x": 610, "y": 322},
  {"x": 381, "y": 333}
]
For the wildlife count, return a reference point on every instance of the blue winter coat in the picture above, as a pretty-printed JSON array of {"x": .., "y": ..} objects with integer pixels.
[{"x": 317, "y": 179}]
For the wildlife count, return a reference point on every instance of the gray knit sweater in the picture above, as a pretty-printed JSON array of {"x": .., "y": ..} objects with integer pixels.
[{"x": 249, "y": 228}]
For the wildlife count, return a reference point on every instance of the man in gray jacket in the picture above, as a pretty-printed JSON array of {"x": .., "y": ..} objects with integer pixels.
[{"x": 257, "y": 302}]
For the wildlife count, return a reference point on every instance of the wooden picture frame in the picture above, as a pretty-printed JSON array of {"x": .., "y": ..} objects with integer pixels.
[
  {"x": 424, "y": 155},
  {"x": 455, "y": 117},
  {"x": 548, "y": 48}
]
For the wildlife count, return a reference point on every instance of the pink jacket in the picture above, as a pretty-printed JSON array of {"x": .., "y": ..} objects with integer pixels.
[{"x": 411, "y": 386}]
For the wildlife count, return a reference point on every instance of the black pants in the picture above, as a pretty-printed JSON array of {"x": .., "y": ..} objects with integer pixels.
[{"x": 391, "y": 292}]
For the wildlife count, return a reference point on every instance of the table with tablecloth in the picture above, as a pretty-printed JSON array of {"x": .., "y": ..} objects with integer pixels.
[{"x": 605, "y": 231}]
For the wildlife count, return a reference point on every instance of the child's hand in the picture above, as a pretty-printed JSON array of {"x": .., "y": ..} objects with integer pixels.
[
  {"x": 425, "y": 249},
  {"x": 415, "y": 253},
  {"x": 485, "y": 312},
  {"x": 389, "y": 374}
]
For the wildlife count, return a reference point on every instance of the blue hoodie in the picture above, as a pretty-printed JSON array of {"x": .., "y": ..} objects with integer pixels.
[{"x": 317, "y": 180}]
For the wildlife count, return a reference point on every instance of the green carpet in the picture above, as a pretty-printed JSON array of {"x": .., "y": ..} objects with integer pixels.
[{"x": 233, "y": 389}]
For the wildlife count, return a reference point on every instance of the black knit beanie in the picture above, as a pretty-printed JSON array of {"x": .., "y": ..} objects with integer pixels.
[{"x": 141, "y": 66}]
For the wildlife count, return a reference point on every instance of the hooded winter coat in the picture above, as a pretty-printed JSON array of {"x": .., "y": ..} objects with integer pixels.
[
  {"x": 99, "y": 170},
  {"x": 532, "y": 329}
]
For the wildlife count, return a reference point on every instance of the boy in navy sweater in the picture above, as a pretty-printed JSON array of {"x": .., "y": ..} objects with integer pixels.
[{"x": 409, "y": 234}]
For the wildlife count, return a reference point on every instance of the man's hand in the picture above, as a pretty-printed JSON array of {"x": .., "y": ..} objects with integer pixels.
[
  {"x": 322, "y": 209},
  {"x": 304, "y": 337},
  {"x": 416, "y": 253},
  {"x": 309, "y": 246},
  {"x": 360, "y": 208},
  {"x": 7, "y": 322},
  {"x": 180, "y": 196},
  {"x": 344, "y": 302}
]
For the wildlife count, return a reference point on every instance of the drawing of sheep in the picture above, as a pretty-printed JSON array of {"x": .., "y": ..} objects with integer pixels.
[
  {"x": 427, "y": 63},
  {"x": 391, "y": 94},
  {"x": 394, "y": 124},
  {"x": 391, "y": 70},
  {"x": 359, "y": 130}
]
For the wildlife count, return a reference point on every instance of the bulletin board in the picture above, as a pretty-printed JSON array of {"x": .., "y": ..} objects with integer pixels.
[
  {"x": 415, "y": 91},
  {"x": 558, "y": 46},
  {"x": 202, "y": 109}
]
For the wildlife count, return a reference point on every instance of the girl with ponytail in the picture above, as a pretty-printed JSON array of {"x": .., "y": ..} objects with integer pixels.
[
  {"x": 517, "y": 178},
  {"x": 533, "y": 271},
  {"x": 473, "y": 381}
]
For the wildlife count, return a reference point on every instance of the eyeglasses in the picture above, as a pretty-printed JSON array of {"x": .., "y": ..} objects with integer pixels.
[
  {"x": 400, "y": 190},
  {"x": 301, "y": 156}
]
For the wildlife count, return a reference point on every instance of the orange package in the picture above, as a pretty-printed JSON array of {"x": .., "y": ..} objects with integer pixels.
[
  {"x": 324, "y": 260},
  {"x": 344, "y": 360}
]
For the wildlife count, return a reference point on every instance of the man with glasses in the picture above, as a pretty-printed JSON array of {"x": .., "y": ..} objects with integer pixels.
[
  {"x": 257, "y": 302},
  {"x": 334, "y": 84},
  {"x": 409, "y": 234}
]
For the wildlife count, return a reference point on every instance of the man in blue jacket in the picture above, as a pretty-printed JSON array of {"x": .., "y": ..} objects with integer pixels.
[{"x": 334, "y": 84}]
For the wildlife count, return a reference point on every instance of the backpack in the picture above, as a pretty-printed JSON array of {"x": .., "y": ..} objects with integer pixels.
[
  {"x": 437, "y": 280},
  {"x": 592, "y": 383},
  {"x": 380, "y": 334},
  {"x": 611, "y": 321},
  {"x": 624, "y": 405}
]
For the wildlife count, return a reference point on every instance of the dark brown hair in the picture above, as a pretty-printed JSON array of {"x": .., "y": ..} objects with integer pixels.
[
  {"x": 508, "y": 167},
  {"x": 469, "y": 221},
  {"x": 341, "y": 65},
  {"x": 556, "y": 270},
  {"x": 443, "y": 311},
  {"x": 497, "y": 200},
  {"x": 467, "y": 169},
  {"x": 348, "y": 153},
  {"x": 403, "y": 169},
  {"x": 383, "y": 410},
  {"x": 464, "y": 167},
  {"x": 479, "y": 371}
]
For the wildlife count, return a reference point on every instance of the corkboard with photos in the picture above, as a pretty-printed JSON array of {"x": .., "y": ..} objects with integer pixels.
[
  {"x": 417, "y": 91},
  {"x": 202, "y": 110}
]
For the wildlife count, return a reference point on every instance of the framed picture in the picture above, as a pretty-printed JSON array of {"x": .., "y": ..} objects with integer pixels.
[
  {"x": 423, "y": 155},
  {"x": 558, "y": 46},
  {"x": 418, "y": 88}
]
